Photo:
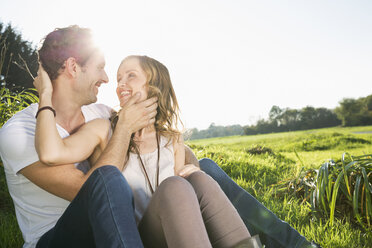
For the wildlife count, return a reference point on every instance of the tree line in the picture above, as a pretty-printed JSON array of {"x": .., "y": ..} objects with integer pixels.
[
  {"x": 350, "y": 112},
  {"x": 287, "y": 119},
  {"x": 214, "y": 131}
]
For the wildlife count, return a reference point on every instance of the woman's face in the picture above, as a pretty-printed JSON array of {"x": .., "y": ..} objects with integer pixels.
[{"x": 131, "y": 79}]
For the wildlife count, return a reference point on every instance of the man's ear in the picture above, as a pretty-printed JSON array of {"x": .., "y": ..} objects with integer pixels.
[{"x": 71, "y": 67}]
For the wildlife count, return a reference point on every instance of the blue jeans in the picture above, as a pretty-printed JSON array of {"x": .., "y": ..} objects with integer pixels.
[
  {"x": 272, "y": 231},
  {"x": 101, "y": 215}
]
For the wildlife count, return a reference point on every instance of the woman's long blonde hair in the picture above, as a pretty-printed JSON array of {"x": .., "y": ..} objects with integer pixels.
[{"x": 159, "y": 84}]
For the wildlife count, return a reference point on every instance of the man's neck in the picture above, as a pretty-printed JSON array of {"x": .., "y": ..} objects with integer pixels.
[{"x": 68, "y": 112}]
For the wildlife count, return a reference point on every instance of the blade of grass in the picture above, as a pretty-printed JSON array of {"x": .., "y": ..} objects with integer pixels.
[
  {"x": 368, "y": 196},
  {"x": 356, "y": 199},
  {"x": 345, "y": 175},
  {"x": 334, "y": 198}
]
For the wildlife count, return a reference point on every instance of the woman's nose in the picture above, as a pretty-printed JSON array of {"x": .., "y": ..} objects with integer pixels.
[{"x": 121, "y": 84}]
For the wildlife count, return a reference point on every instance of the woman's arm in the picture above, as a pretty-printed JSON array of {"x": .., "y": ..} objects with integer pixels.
[
  {"x": 51, "y": 148},
  {"x": 180, "y": 168},
  {"x": 89, "y": 141},
  {"x": 179, "y": 154},
  {"x": 190, "y": 157}
]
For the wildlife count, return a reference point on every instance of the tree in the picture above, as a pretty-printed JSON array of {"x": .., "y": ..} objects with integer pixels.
[
  {"x": 250, "y": 130},
  {"x": 16, "y": 53},
  {"x": 308, "y": 118},
  {"x": 311, "y": 118},
  {"x": 275, "y": 114},
  {"x": 369, "y": 102},
  {"x": 326, "y": 118},
  {"x": 355, "y": 112},
  {"x": 290, "y": 118}
]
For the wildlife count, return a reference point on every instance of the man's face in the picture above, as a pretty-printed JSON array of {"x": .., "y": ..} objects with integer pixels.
[{"x": 90, "y": 78}]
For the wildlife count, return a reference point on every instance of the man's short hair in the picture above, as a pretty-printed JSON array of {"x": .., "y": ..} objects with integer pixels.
[{"x": 63, "y": 43}]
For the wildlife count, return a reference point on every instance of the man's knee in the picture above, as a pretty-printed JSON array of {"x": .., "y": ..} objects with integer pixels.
[
  {"x": 109, "y": 179},
  {"x": 206, "y": 161},
  {"x": 208, "y": 165},
  {"x": 212, "y": 169},
  {"x": 106, "y": 170}
]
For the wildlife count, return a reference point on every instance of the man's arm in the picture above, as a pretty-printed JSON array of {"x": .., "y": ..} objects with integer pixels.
[
  {"x": 65, "y": 181},
  {"x": 131, "y": 119}
]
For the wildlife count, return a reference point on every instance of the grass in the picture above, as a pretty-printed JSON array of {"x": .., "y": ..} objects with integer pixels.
[
  {"x": 258, "y": 173},
  {"x": 10, "y": 235},
  {"x": 259, "y": 162}
]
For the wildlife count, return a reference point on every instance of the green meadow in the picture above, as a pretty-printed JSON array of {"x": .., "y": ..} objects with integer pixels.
[
  {"x": 261, "y": 174},
  {"x": 282, "y": 157}
]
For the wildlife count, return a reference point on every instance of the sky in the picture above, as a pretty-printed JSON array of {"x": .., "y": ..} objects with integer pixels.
[{"x": 230, "y": 61}]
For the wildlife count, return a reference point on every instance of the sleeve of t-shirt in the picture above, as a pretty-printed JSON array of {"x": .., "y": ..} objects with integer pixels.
[
  {"x": 95, "y": 111},
  {"x": 17, "y": 147}
]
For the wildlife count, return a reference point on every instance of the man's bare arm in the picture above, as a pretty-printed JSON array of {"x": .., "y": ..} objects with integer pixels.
[
  {"x": 130, "y": 120},
  {"x": 64, "y": 181}
]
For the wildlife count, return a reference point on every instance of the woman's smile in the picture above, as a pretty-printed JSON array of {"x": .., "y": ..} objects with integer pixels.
[{"x": 123, "y": 94}]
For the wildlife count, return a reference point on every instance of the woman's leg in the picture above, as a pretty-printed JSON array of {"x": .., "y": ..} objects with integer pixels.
[
  {"x": 273, "y": 232},
  {"x": 224, "y": 226},
  {"x": 173, "y": 217},
  {"x": 101, "y": 215}
]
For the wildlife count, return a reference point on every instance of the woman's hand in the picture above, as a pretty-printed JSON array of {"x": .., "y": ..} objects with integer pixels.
[
  {"x": 42, "y": 82},
  {"x": 187, "y": 170}
]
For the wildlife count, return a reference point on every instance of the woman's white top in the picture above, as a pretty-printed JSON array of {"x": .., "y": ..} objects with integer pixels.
[{"x": 136, "y": 178}]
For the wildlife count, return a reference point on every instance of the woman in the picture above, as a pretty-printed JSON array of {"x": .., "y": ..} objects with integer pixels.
[{"x": 187, "y": 210}]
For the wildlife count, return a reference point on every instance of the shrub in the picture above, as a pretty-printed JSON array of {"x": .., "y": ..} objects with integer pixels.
[
  {"x": 257, "y": 150},
  {"x": 340, "y": 188},
  {"x": 12, "y": 102}
]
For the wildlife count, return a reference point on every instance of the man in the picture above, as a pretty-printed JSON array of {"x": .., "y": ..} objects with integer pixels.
[{"x": 101, "y": 211}]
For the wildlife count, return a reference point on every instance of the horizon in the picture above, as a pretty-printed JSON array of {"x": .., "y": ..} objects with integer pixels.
[{"x": 229, "y": 62}]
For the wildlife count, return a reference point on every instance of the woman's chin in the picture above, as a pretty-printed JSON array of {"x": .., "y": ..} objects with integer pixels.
[{"x": 124, "y": 100}]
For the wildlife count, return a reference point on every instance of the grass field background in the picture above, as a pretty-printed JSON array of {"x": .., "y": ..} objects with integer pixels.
[{"x": 259, "y": 174}]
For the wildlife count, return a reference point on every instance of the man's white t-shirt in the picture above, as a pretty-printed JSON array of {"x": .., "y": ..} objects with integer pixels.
[{"x": 37, "y": 210}]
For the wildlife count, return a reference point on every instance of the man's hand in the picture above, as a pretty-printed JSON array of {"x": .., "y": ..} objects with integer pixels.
[
  {"x": 187, "y": 170},
  {"x": 136, "y": 115},
  {"x": 42, "y": 82},
  {"x": 133, "y": 116}
]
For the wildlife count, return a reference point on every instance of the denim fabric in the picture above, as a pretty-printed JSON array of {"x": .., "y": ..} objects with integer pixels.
[
  {"x": 101, "y": 215},
  {"x": 272, "y": 231}
]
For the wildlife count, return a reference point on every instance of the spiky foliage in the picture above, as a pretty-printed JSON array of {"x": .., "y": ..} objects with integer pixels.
[
  {"x": 338, "y": 188},
  {"x": 12, "y": 102}
]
